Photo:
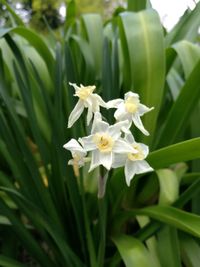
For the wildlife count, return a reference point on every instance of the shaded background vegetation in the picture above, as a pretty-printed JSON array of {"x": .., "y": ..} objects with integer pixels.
[{"x": 38, "y": 13}]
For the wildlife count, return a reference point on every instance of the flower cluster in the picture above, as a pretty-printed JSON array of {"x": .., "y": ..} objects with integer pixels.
[{"x": 110, "y": 146}]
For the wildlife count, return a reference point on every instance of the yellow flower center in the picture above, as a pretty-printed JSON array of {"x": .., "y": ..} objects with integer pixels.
[
  {"x": 131, "y": 104},
  {"x": 104, "y": 142},
  {"x": 139, "y": 155},
  {"x": 84, "y": 92}
]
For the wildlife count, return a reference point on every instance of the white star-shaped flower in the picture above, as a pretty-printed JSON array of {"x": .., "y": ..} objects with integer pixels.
[
  {"x": 104, "y": 142},
  {"x": 78, "y": 155},
  {"x": 130, "y": 109},
  {"x": 86, "y": 100},
  {"x": 134, "y": 163}
]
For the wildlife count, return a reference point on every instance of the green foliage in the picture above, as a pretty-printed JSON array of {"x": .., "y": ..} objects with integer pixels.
[{"x": 54, "y": 218}]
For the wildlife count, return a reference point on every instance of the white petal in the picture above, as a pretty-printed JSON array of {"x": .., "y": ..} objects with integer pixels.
[
  {"x": 99, "y": 126},
  {"x": 142, "y": 109},
  {"x": 121, "y": 113},
  {"x": 145, "y": 149},
  {"x": 80, "y": 154},
  {"x": 106, "y": 159},
  {"x": 129, "y": 138},
  {"x": 141, "y": 166},
  {"x": 99, "y": 101},
  {"x": 122, "y": 146},
  {"x": 89, "y": 115},
  {"x": 138, "y": 123},
  {"x": 115, "y": 130},
  {"x": 130, "y": 171},
  {"x": 95, "y": 161},
  {"x": 73, "y": 145},
  {"x": 88, "y": 142},
  {"x": 97, "y": 116},
  {"x": 128, "y": 94},
  {"x": 88, "y": 102},
  {"x": 76, "y": 113},
  {"x": 114, "y": 103},
  {"x": 71, "y": 162},
  {"x": 76, "y": 87},
  {"x": 126, "y": 129},
  {"x": 119, "y": 160}
]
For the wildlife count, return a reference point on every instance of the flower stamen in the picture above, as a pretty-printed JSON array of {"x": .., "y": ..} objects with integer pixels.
[
  {"x": 139, "y": 155},
  {"x": 131, "y": 104},
  {"x": 104, "y": 142},
  {"x": 84, "y": 92}
]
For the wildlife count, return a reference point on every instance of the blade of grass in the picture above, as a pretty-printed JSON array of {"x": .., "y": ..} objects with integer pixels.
[
  {"x": 179, "y": 152},
  {"x": 144, "y": 58}
]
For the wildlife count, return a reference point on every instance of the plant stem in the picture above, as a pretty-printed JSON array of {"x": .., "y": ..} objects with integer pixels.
[
  {"x": 102, "y": 217},
  {"x": 89, "y": 239}
]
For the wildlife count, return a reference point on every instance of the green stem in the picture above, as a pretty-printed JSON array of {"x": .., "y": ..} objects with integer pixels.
[
  {"x": 89, "y": 239},
  {"x": 102, "y": 217}
]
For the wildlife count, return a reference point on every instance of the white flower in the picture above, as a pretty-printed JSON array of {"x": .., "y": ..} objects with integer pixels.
[
  {"x": 86, "y": 100},
  {"x": 104, "y": 142},
  {"x": 130, "y": 109},
  {"x": 78, "y": 155},
  {"x": 134, "y": 162}
]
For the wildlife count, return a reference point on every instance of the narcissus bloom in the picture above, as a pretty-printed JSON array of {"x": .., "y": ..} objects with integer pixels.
[
  {"x": 134, "y": 163},
  {"x": 78, "y": 155},
  {"x": 104, "y": 142},
  {"x": 86, "y": 100},
  {"x": 130, "y": 109}
]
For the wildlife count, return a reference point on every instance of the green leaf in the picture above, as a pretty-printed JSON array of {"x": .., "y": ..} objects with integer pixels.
[
  {"x": 133, "y": 252},
  {"x": 93, "y": 31},
  {"x": 88, "y": 69},
  {"x": 182, "y": 220},
  {"x": 42, "y": 221},
  {"x": 168, "y": 247},
  {"x": 179, "y": 152},
  {"x": 169, "y": 186},
  {"x": 37, "y": 42},
  {"x": 181, "y": 110},
  {"x": 7, "y": 262},
  {"x": 186, "y": 28},
  {"x": 25, "y": 237},
  {"x": 144, "y": 61},
  {"x": 175, "y": 82},
  {"x": 136, "y": 5},
  {"x": 189, "y": 55},
  {"x": 190, "y": 251},
  {"x": 16, "y": 18},
  {"x": 151, "y": 243}
]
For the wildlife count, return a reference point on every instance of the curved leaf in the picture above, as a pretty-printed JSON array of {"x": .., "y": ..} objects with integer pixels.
[
  {"x": 93, "y": 30},
  {"x": 189, "y": 55},
  {"x": 179, "y": 152},
  {"x": 168, "y": 247},
  {"x": 182, "y": 220},
  {"x": 181, "y": 110},
  {"x": 169, "y": 186},
  {"x": 190, "y": 251},
  {"x": 186, "y": 28},
  {"x": 36, "y": 41},
  {"x": 144, "y": 60},
  {"x": 133, "y": 252}
]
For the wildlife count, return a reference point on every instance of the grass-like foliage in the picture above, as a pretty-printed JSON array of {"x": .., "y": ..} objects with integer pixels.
[{"x": 48, "y": 216}]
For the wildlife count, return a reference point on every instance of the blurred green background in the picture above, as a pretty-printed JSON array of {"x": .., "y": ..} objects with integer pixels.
[{"x": 37, "y": 13}]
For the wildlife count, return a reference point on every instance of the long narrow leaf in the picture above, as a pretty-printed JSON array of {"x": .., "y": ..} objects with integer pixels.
[{"x": 144, "y": 60}]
